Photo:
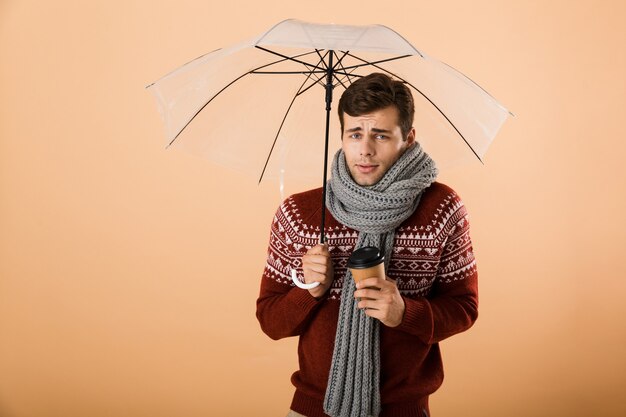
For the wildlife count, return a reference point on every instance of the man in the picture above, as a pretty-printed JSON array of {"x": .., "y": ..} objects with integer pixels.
[{"x": 372, "y": 349}]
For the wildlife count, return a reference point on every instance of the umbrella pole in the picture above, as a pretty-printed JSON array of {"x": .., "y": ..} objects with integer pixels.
[{"x": 329, "y": 99}]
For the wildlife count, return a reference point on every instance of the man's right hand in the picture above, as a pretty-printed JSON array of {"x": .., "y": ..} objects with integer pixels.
[{"x": 317, "y": 266}]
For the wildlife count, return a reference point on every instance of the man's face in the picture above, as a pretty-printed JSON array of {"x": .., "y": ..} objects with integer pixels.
[{"x": 372, "y": 143}]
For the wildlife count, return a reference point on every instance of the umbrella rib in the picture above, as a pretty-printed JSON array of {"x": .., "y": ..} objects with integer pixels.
[
  {"x": 341, "y": 65},
  {"x": 338, "y": 63},
  {"x": 289, "y": 72},
  {"x": 476, "y": 84},
  {"x": 431, "y": 102},
  {"x": 322, "y": 58},
  {"x": 285, "y": 118},
  {"x": 225, "y": 87},
  {"x": 318, "y": 80},
  {"x": 373, "y": 63},
  {"x": 317, "y": 68},
  {"x": 187, "y": 63},
  {"x": 281, "y": 127},
  {"x": 306, "y": 64},
  {"x": 313, "y": 84},
  {"x": 347, "y": 75}
]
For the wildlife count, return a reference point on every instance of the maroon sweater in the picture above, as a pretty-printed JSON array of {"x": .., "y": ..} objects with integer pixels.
[{"x": 435, "y": 271}]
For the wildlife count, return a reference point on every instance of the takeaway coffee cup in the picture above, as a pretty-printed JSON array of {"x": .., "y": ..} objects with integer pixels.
[{"x": 367, "y": 262}]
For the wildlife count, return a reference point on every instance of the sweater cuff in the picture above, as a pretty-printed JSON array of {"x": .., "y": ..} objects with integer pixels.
[
  {"x": 303, "y": 299},
  {"x": 417, "y": 319}
]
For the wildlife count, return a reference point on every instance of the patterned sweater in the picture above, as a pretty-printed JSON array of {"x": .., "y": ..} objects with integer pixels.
[{"x": 435, "y": 271}]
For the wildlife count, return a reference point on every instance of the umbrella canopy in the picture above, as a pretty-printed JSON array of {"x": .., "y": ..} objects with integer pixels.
[{"x": 258, "y": 106}]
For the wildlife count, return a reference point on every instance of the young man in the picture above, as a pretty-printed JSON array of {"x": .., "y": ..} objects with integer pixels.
[{"x": 371, "y": 349}]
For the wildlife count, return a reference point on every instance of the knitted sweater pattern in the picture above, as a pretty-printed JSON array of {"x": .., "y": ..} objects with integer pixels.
[{"x": 434, "y": 267}]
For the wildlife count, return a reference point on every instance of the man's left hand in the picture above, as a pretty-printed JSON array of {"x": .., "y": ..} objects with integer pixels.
[{"x": 386, "y": 304}]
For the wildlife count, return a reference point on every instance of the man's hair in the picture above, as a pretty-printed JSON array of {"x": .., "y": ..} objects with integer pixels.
[{"x": 374, "y": 92}]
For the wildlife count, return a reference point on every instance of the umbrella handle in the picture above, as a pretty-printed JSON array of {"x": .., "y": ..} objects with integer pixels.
[{"x": 300, "y": 284}]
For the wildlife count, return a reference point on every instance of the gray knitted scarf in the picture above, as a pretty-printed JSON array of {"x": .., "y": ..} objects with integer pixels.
[{"x": 375, "y": 212}]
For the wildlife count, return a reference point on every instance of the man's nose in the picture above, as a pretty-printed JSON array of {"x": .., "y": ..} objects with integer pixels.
[{"x": 367, "y": 147}]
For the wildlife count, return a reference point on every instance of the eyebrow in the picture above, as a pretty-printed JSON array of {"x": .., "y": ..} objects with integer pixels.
[{"x": 374, "y": 129}]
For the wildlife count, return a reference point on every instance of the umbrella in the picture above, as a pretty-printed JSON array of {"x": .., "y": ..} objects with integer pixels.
[{"x": 263, "y": 105}]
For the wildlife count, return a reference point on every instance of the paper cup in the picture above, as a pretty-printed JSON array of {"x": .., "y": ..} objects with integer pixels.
[{"x": 367, "y": 262}]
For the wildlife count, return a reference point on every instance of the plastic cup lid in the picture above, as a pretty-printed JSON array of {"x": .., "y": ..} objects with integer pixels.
[{"x": 365, "y": 257}]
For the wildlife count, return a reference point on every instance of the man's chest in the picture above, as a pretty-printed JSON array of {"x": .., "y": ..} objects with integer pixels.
[{"x": 413, "y": 265}]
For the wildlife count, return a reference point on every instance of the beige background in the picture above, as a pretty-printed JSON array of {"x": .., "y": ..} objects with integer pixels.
[{"x": 129, "y": 274}]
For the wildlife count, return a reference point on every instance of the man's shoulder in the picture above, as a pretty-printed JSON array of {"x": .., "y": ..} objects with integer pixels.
[
  {"x": 439, "y": 188},
  {"x": 314, "y": 194},
  {"x": 440, "y": 192},
  {"x": 305, "y": 203},
  {"x": 438, "y": 203}
]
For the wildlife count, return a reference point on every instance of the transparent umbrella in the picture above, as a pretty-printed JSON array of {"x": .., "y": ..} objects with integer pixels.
[{"x": 263, "y": 106}]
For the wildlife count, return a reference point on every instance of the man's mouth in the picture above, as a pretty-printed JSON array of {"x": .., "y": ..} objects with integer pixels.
[{"x": 366, "y": 168}]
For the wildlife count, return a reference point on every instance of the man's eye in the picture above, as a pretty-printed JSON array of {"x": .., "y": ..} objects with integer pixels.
[
  {"x": 355, "y": 136},
  {"x": 381, "y": 137}
]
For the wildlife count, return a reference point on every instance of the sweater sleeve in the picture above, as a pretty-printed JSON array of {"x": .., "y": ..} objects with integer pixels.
[
  {"x": 451, "y": 306},
  {"x": 283, "y": 309}
]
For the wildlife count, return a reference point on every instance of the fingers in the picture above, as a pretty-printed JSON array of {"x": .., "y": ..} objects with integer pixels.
[
  {"x": 368, "y": 304},
  {"x": 319, "y": 249},
  {"x": 375, "y": 282},
  {"x": 374, "y": 313},
  {"x": 321, "y": 264},
  {"x": 317, "y": 266},
  {"x": 374, "y": 308},
  {"x": 389, "y": 311},
  {"x": 315, "y": 259},
  {"x": 317, "y": 254},
  {"x": 315, "y": 269},
  {"x": 380, "y": 298},
  {"x": 375, "y": 295},
  {"x": 314, "y": 276}
]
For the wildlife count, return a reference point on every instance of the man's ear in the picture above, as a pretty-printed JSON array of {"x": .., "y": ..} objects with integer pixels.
[{"x": 410, "y": 138}]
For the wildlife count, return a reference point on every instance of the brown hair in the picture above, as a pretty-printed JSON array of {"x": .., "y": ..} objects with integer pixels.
[{"x": 374, "y": 92}]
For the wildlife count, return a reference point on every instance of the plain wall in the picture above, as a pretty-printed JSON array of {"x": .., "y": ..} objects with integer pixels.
[{"x": 129, "y": 273}]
